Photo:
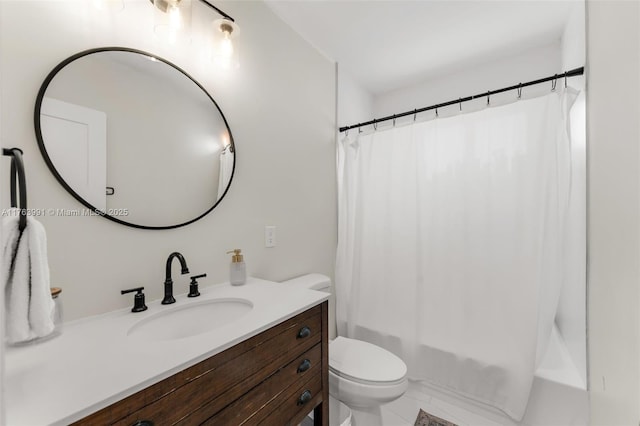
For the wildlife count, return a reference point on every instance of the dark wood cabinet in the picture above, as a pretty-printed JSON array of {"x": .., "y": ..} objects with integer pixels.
[{"x": 273, "y": 378}]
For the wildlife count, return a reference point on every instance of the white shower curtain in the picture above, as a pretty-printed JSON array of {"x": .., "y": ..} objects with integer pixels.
[{"x": 450, "y": 244}]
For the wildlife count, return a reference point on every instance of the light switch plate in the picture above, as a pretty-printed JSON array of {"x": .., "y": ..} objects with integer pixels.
[{"x": 269, "y": 236}]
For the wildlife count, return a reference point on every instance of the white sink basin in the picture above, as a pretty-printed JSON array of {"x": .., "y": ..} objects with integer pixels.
[{"x": 190, "y": 320}]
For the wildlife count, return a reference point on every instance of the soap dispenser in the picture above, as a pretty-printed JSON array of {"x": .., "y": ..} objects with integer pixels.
[{"x": 238, "y": 270}]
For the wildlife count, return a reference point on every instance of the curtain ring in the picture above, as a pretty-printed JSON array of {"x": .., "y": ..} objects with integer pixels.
[
  {"x": 394, "y": 120},
  {"x": 375, "y": 124},
  {"x": 460, "y": 103},
  {"x": 488, "y": 98},
  {"x": 415, "y": 112},
  {"x": 346, "y": 133},
  {"x": 554, "y": 82},
  {"x": 437, "y": 112},
  {"x": 359, "y": 129},
  {"x": 565, "y": 79},
  {"x": 520, "y": 91}
]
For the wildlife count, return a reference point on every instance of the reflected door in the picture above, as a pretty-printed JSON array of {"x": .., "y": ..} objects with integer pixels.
[{"x": 78, "y": 148}]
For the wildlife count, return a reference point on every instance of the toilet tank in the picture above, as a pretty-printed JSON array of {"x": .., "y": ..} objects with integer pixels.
[{"x": 317, "y": 282}]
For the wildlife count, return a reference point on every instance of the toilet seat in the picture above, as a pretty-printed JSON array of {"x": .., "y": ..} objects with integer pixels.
[{"x": 365, "y": 363}]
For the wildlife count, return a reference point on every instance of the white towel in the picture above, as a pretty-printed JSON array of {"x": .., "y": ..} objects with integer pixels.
[{"x": 29, "y": 306}]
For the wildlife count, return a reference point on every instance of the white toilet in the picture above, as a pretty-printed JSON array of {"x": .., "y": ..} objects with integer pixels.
[{"x": 361, "y": 375}]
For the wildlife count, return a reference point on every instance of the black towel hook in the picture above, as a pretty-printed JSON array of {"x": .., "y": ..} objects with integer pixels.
[{"x": 17, "y": 171}]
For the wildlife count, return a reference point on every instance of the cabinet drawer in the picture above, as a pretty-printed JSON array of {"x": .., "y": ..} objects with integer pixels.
[
  {"x": 257, "y": 404},
  {"x": 295, "y": 405},
  {"x": 214, "y": 383}
]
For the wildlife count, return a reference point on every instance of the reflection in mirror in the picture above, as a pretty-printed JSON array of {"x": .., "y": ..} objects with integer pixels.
[{"x": 123, "y": 119}]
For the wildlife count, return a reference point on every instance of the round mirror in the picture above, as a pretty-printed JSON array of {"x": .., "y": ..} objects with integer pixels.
[{"x": 134, "y": 138}]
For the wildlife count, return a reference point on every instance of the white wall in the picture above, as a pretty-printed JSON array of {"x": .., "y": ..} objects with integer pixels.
[
  {"x": 355, "y": 104},
  {"x": 280, "y": 105},
  {"x": 613, "y": 108},
  {"x": 574, "y": 40},
  {"x": 528, "y": 65}
]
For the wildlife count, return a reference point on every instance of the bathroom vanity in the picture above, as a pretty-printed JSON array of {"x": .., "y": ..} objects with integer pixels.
[
  {"x": 255, "y": 381},
  {"x": 269, "y": 366}
]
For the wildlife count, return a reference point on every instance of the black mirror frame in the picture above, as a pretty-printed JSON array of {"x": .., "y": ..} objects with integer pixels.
[{"x": 57, "y": 175}]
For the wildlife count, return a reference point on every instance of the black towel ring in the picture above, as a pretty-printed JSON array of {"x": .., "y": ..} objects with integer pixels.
[{"x": 17, "y": 171}]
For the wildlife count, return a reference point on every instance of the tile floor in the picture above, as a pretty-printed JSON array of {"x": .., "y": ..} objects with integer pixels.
[{"x": 403, "y": 412}]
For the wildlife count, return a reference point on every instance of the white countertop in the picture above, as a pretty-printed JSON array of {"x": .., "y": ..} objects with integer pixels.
[{"x": 94, "y": 363}]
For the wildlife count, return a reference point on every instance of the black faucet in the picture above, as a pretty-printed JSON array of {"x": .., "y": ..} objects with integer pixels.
[{"x": 168, "y": 282}]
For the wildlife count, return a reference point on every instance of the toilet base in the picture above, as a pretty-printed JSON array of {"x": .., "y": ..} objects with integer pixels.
[
  {"x": 339, "y": 414},
  {"x": 370, "y": 416}
]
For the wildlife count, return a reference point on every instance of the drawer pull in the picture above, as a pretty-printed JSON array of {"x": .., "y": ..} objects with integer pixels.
[
  {"x": 304, "y": 332},
  {"x": 305, "y": 397},
  {"x": 304, "y": 366},
  {"x": 143, "y": 423}
]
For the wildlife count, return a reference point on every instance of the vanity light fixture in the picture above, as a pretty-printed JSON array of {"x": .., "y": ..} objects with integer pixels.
[
  {"x": 172, "y": 19},
  {"x": 223, "y": 31},
  {"x": 223, "y": 52},
  {"x": 173, "y": 16}
]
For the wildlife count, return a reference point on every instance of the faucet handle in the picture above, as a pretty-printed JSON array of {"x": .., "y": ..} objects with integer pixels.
[
  {"x": 193, "y": 286},
  {"x": 138, "y": 299}
]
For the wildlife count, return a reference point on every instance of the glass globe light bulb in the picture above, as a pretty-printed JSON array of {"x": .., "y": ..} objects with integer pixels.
[
  {"x": 226, "y": 46},
  {"x": 175, "y": 18}
]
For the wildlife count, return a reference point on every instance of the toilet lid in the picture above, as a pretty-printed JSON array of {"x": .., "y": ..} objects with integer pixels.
[{"x": 362, "y": 361}]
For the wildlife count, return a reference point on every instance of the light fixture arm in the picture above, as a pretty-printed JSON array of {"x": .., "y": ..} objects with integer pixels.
[{"x": 224, "y": 15}]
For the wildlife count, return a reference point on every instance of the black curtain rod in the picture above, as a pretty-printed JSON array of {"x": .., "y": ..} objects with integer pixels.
[
  {"x": 224, "y": 15},
  {"x": 572, "y": 73}
]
